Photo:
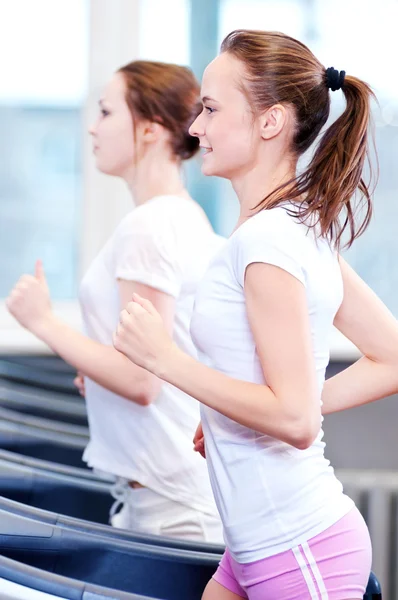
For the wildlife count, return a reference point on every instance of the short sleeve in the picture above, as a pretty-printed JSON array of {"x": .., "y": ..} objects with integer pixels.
[
  {"x": 270, "y": 239},
  {"x": 146, "y": 251}
]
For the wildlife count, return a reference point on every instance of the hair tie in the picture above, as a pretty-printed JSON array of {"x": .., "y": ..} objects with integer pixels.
[{"x": 334, "y": 79}]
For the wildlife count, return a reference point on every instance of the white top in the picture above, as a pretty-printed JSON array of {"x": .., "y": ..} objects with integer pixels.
[
  {"x": 167, "y": 244},
  {"x": 271, "y": 496}
]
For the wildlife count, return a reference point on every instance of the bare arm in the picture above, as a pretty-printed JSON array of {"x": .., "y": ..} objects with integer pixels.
[
  {"x": 288, "y": 408},
  {"x": 365, "y": 320},
  {"x": 29, "y": 303}
]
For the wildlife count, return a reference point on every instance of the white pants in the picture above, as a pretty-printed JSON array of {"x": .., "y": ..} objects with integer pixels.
[{"x": 145, "y": 511}]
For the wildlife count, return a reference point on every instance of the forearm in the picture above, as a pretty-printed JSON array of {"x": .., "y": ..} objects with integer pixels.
[
  {"x": 363, "y": 382},
  {"x": 253, "y": 405},
  {"x": 103, "y": 364}
]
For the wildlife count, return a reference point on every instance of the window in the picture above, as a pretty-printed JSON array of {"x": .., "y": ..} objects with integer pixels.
[
  {"x": 164, "y": 31},
  {"x": 43, "y": 88}
]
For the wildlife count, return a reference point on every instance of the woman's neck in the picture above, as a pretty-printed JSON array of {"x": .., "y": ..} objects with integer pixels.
[
  {"x": 257, "y": 184},
  {"x": 155, "y": 179}
]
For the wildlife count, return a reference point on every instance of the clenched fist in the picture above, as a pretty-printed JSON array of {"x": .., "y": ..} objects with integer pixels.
[
  {"x": 142, "y": 336},
  {"x": 29, "y": 301}
]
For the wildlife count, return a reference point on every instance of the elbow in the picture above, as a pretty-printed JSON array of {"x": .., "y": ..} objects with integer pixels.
[
  {"x": 303, "y": 433},
  {"x": 142, "y": 398},
  {"x": 145, "y": 392},
  {"x": 303, "y": 441}
]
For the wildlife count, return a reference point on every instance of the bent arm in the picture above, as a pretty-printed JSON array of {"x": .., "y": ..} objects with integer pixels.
[
  {"x": 104, "y": 364},
  {"x": 289, "y": 407},
  {"x": 365, "y": 320}
]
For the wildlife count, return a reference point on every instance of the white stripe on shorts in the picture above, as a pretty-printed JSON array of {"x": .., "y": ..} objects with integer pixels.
[
  {"x": 315, "y": 570},
  {"x": 306, "y": 573}
]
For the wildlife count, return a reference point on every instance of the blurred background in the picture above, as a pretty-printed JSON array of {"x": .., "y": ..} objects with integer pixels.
[{"x": 55, "y": 57}]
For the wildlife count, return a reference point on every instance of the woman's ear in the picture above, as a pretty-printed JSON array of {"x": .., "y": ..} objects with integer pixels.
[
  {"x": 272, "y": 121},
  {"x": 151, "y": 131}
]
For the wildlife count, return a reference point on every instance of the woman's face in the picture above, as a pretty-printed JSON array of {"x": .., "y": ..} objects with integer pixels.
[
  {"x": 113, "y": 132},
  {"x": 226, "y": 126}
]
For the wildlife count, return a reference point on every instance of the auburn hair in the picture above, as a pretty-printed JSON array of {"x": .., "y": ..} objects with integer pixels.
[{"x": 167, "y": 94}]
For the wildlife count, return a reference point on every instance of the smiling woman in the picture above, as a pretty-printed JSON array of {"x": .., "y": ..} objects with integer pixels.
[
  {"x": 222, "y": 103},
  {"x": 263, "y": 318}
]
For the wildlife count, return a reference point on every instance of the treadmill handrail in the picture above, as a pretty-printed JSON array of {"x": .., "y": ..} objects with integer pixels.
[
  {"x": 37, "y": 377},
  {"x": 57, "y": 585},
  {"x": 106, "y": 530},
  {"x": 12, "y": 395},
  {"x": 47, "y": 465},
  {"x": 13, "y": 416},
  {"x": 26, "y": 431},
  {"x": 55, "y": 478}
]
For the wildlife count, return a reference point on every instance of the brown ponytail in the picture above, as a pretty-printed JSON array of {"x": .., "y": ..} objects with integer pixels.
[{"x": 280, "y": 69}]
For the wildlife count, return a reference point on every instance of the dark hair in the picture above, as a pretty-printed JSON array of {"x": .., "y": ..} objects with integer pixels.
[
  {"x": 167, "y": 94},
  {"x": 280, "y": 69}
]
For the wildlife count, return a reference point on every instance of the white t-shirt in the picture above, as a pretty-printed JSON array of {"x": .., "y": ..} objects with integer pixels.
[
  {"x": 271, "y": 496},
  {"x": 167, "y": 244}
]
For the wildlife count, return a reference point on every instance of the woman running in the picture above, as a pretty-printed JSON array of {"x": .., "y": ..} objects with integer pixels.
[
  {"x": 263, "y": 319},
  {"x": 140, "y": 427}
]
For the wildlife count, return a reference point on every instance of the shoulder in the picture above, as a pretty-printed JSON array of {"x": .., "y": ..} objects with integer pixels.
[
  {"x": 149, "y": 219},
  {"x": 164, "y": 212},
  {"x": 273, "y": 226},
  {"x": 274, "y": 237}
]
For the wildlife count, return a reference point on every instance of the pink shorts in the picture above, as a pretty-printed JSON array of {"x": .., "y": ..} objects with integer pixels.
[{"x": 334, "y": 565}]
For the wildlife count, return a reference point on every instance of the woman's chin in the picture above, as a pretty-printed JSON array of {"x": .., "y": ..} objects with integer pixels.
[
  {"x": 100, "y": 165},
  {"x": 105, "y": 169},
  {"x": 208, "y": 169}
]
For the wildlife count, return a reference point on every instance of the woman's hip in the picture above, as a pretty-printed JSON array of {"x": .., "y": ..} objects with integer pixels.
[{"x": 334, "y": 564}]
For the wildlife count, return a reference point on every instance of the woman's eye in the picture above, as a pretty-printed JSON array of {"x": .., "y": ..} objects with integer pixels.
[
  {"x": 104, "y": 112},
  {"x": 209, "y": 110}
]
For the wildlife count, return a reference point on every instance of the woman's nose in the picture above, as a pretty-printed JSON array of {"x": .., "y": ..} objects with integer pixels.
[
  {"x": 93, "y": 127},
  {"x": 196, "y": 130}
]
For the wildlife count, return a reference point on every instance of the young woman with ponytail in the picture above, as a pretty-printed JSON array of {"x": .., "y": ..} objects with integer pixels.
[{"x": 263, "y": 318}]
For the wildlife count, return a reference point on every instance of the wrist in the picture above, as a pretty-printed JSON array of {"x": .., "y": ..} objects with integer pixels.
[
  {"x": 169, "y": 363},
  {"x": 43, "y": 326}
]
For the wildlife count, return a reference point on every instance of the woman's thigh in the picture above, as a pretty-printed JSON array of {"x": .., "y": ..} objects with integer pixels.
[{"x": 215, "y": 591}]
